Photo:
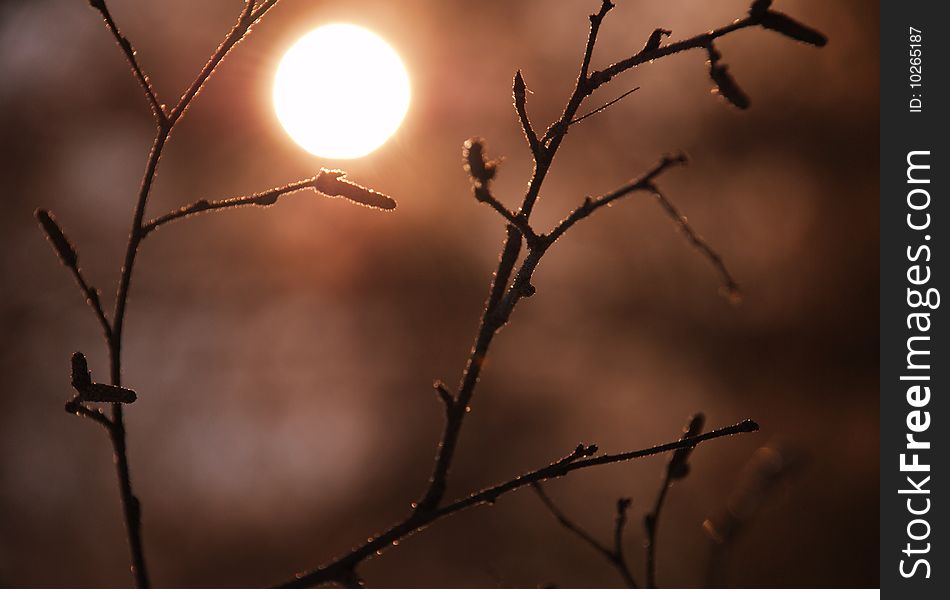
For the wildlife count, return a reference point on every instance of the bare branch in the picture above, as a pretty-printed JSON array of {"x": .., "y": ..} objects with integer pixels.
[
  {"x": 157, "y": 108},
  {"x": 676, "y": 469},
  {"x": 650, "y": 53},
  {"x": 237, "y": 33},
  {"x": 484, "y": 195},
  {"x": 329, "y": 183},
  {"x": 757, "y": 16},
  {"x": 614, "y": 556},
  {"x": 519, "y": 91},
  {"x": 569, "y": 524},
  {"x": 620, "y": 561},
  {"x": 75, "y": 407},
  {"x": 730, "y": 285},
  {"x": 504, "y": 295},
  {"x": 417, "y": 520},
  {"x": 726, "y": 85},
  {"x": 595, "y": 21},
  {"x": 642, "y": 183},
  {"x": 131, "y": 507},
  {"x": 261, "y": 10},
  {"x": 603, "y": 107},
  {"x": 507, "y": 287},
  {"x": 482, "y": 171},
  {"x": 444, "y": 394},
  {"x": 70, "y": 258},
  {"x": 582, "y": 88}
]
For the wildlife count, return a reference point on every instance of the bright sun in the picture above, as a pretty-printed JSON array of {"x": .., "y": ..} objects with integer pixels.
[{"x": 341, "y": 91}]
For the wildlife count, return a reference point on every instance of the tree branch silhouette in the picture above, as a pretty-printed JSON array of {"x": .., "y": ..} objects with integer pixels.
[
  {"x": 583, "y": 457},
  {"x": 676, "y": 469},
  {"x": 158, "y": 109},
  {"x": 509, "y": 285},
  {"x": 331, "y": 183},
  {"x": 615, "y": 556}
]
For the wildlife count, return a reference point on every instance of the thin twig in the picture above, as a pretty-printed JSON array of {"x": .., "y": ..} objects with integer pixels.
[
  {"x": 614, "y": 556},
  {"x": 482, "y": 171},
  {"x": 483, "y": 194},
  {"x": 92, "y": 298},
  {"x": 603, "y": 107},
  {"x": 261, "y": 10},
  {"x": 495, "y": 312},
  {"x": 623, "y": 504},
  {"x": 568, "y": 524},
  {"x": 131, "y": 507},
  {"x": 519, "y": 91},
  {"x": 641, "y": 183},
  {"x": 507, "y": 287},
  {"x": 729, "y": 283},
  {"x": 417, "y": 520},
  {"x": 236, "y": 34},
  {"x": 328, "y": 182},
  {"x": 598, "y": 78},
  {"x": 78, "y": 408},
  {"x": 503, "y": 296},
  {"x": 68, "y": 255},
  {"x": 677, "y": 468},
  {"x": 157, "y": 108}
]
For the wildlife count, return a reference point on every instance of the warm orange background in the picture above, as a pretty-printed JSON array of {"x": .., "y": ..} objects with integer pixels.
[{"x": 283, "y": 357}]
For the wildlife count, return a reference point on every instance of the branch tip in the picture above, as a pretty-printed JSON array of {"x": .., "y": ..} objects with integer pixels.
[
  {"x": 444, "y": 394},
  {"x": 729, "y": 283},
  {"x": 334, "y": 183},
  {"x": 655, "y": 39},
  {"x": 748, "y": 426},
  {"x": 726, "y": 86},
  {"x": 61, "y": 244},
  {"x": 789, "y": 27},
  {"x": 519, "y": 91}
]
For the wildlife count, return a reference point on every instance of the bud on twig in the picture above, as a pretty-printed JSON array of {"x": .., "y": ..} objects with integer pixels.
[
  {"x": 95, "y": 392},
  {"x": 478, "y": 167},
  {"x": 81, "y": 379},
  {"x": 623, "y": 504},
  {"x": 64, "y": 249},
  {"x": 267, "y": 199},
  {"x": 759, "y": 6},
  {"x": 679, "y": 467},
  {"x": 789, "y": 27},
  {"x": 726, "y": 86},
  {"x": 334, "y": 183},
  {"x": 103, "y": 392},
  {"x": 519, "y": 89},
  {"x": 655, "y": 38}
]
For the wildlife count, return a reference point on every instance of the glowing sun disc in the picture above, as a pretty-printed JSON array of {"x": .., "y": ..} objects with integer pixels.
[{"x": 341, "y": 91}]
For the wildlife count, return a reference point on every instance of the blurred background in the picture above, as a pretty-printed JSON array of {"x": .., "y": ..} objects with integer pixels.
[{"x": 284, "y": 356}]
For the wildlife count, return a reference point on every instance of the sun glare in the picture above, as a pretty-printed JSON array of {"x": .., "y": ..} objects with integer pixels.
[{"x": 341, "y": 91}]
